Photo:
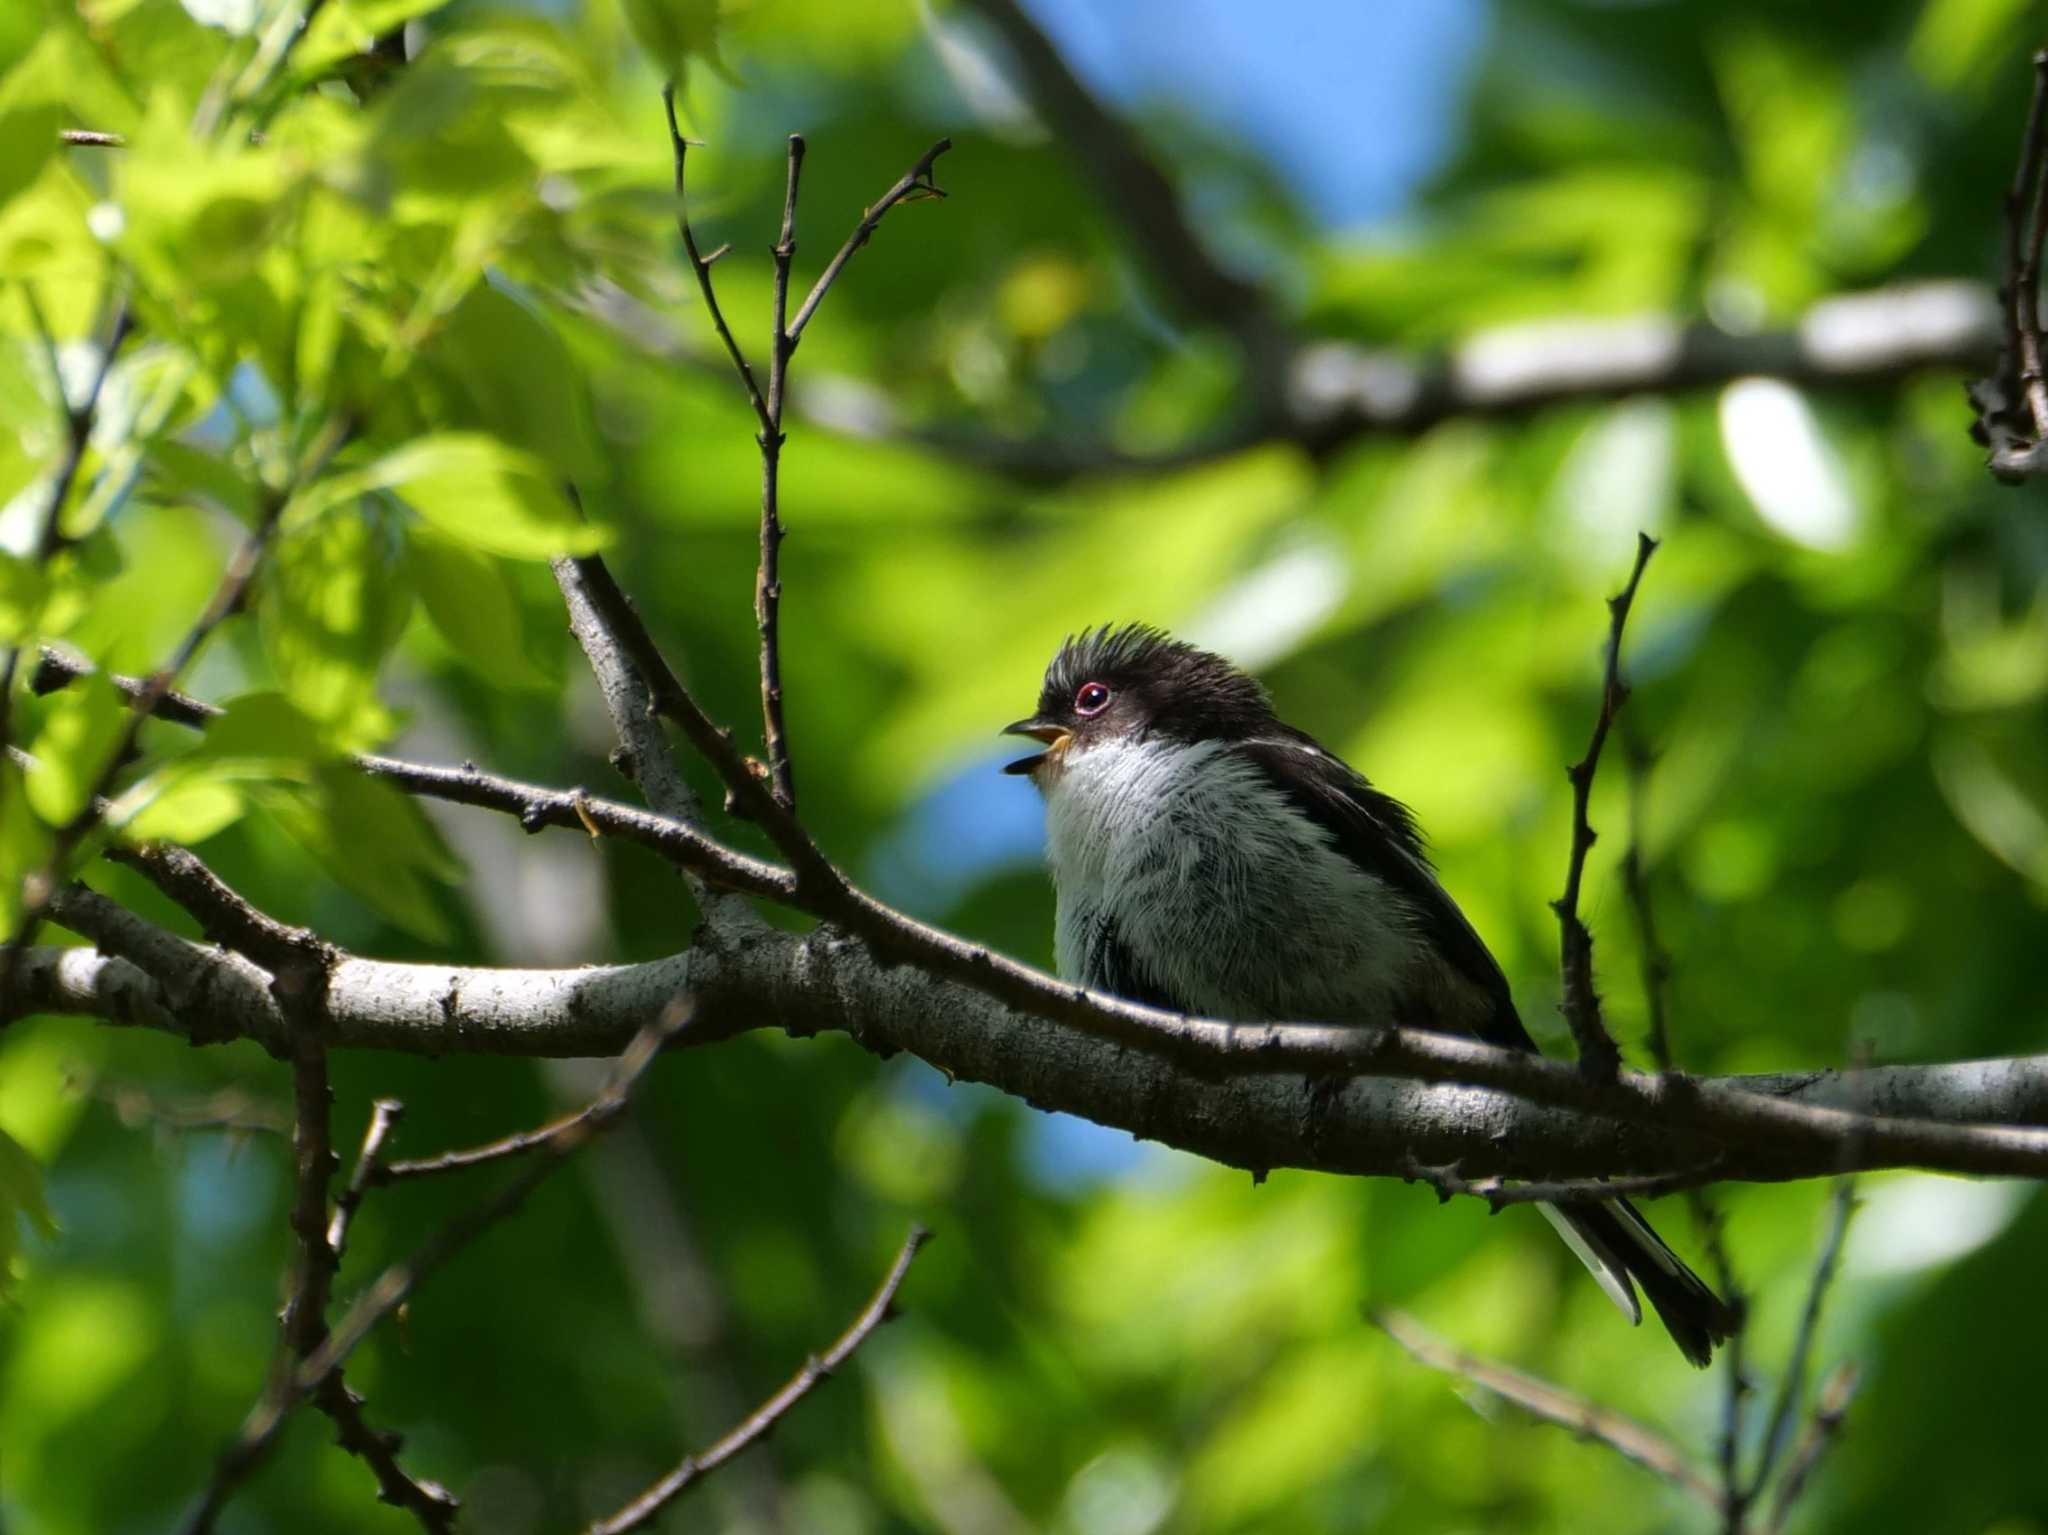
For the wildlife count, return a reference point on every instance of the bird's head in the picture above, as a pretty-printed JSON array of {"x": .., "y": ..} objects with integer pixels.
[{"x": 1136, "y": 683}]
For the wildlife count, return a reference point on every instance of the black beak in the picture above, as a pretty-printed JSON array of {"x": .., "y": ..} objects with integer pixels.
[{"x": 1053, "y": 735}]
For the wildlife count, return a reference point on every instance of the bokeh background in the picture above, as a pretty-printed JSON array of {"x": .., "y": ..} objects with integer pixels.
[{"x": 1841, "y": 653}]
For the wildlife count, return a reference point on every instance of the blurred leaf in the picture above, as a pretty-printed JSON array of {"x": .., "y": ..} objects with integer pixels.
[
  {"x": 676, "y": 31},
  {"x": 475, "y": 489},
  {"x": 189, "y": 809},
  {"x": 470, "y": 602},
  {"x": 21, "y": 595},
  {"x": 370, "y": 838},
  {"x": 21, "y": 1199},
  {"x": 523, "y": 384},
  {"x": 80, "y": 728},
  {"x": 334, "y": 599}
]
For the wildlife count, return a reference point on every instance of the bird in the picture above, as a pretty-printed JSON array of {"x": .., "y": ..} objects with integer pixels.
[{"x": 1211, "y": 860}]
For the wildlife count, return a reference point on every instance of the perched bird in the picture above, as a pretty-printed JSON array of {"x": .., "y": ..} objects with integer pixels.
[{"x": 1210, "y": 859}]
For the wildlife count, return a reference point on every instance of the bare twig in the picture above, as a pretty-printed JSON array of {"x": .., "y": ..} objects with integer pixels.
[
  {"x": 768, "y": 573},
  {"x": 1499, "y": 1192},
  {"x": 2012, "y": 405},
  {"x": 91, "y": 138},
  {"x": 397, "y": 1283},
  {"x": 1820, "y": 1435},
  {"x": 1633, "y": 1441},
  {"x": 370, "y": 1164},
  {"x": 679, "y": 148},
  {"x": 1792, "y": 1387},
  {"x": 56, "y": 670},
  {"x": 536, "y": 807},
  {"x": 1598, "y": 1056},
  {"x": 762, "y": 1421},
  {"x": 612, "y": 613},
  {"x": 499, "y": 1150},
  {"x": 1656, "y": 966},
  {"x": 917, "y": 182},
  {"x": 784, "y": 334}
]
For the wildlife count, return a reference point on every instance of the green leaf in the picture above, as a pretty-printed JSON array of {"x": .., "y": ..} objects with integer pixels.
[
  {"x": 372, "y": 839},
  {"x": 521, "y": 380},
  {"x": 80, "y": 728},
  {"x": 263, "y": 727},
  {"x": 475, "y": 489},
  {"x": 21, "y": 597},
  {"x": 188, "y": 808},
  {"x": 471, "y": 604},
  {"x": 21, "y": 1198},
  {"x": 675, "y": 31},
  {"x": 334, "y": 600}
]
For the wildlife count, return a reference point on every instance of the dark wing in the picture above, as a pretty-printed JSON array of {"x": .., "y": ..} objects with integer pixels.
[
  {"x": 1107, "y": 964},
  {"x": 1376, "y": 832}
]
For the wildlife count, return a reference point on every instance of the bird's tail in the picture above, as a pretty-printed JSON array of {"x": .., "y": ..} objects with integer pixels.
[{"x": 1618, "y": 1245}]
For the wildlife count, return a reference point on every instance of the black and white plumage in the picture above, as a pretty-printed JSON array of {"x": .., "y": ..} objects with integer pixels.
[{"x": 1212, "y": 860}]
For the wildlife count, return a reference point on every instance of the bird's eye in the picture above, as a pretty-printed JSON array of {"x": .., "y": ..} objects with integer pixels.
[{"x": 1091, "y": 700}]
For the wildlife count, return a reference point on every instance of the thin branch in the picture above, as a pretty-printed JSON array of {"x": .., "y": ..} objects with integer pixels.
[
  {"x": 768, "y": 573},
  {"x": 397, "y": 1283},
  {"x": 612, "y": 622},
  {"x": 763, "y": 1420},
  {"x": 679, "y": 148},
  {"x": 503, "y": 1149},
  {"x": 91, "y": 138},
  {"x": 55, "y": 670},
  {"x": 1499, "y": 1192},
  {"x": 1792, "y": 1387},
  {"x": 1598, "y": 1056},
  {"x": 2012, "y": 405},
  {"x": 370, "y": 1166},
  {"x": 1819, "y": 1437},
  {"x": 536, "y": 807},
  {"x": 1656, "y": 968},
  {"x": 1633, "y": 1441},
  {"x": 916, "y": 183}
]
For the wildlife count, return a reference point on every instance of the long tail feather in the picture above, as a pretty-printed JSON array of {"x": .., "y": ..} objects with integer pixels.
[{"x": 1617, "y": 1245}]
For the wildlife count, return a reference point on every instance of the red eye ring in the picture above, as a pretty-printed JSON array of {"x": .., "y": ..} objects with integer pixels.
[{"x": 1091, "y": 699}]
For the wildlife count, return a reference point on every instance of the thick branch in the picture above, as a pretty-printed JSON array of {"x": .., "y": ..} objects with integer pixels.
[
  {"x": 1251, "y": 1098},
  {"x": 1333, "y": 392},
  {"x": 1129, "y": 184}
]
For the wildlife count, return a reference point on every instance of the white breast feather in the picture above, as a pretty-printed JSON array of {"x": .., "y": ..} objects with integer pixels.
[{"x": 1235, "y": 904}]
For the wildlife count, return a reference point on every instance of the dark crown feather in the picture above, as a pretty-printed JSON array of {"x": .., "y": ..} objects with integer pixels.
[{"x": 1193, "y": 689}]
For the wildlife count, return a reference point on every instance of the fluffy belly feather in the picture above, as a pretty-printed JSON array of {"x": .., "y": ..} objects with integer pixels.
[{"x": 1222, "y": 897}]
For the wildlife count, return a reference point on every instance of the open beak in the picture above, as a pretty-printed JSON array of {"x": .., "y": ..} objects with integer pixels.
[{"x": 1054, "y": 736}]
